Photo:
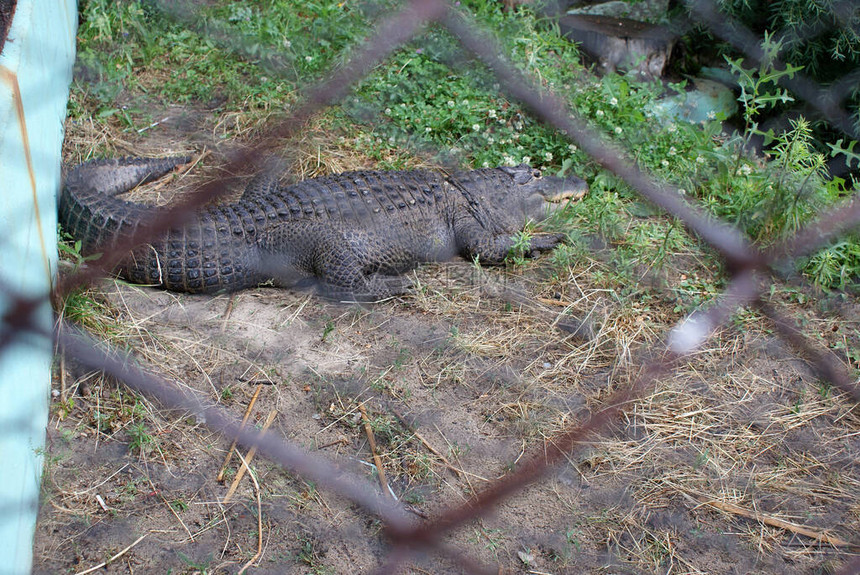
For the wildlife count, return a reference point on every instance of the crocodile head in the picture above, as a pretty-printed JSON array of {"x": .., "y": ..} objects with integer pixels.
[{"x": 536, "y": 196}]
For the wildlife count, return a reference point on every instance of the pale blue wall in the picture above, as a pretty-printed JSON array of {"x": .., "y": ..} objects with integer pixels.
[{"x": 36, "y": 65}]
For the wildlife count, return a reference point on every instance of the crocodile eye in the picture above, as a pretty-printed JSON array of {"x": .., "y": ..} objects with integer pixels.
[{"x": 536, "y": 174}]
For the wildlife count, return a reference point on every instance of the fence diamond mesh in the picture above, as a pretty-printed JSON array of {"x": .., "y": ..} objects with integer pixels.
[{"x": 718, "y": 440}]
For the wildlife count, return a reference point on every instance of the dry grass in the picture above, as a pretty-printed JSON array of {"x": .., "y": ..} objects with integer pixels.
[
  {"x": 460, "y": 380},
  {"x": 734, "y": 427}
]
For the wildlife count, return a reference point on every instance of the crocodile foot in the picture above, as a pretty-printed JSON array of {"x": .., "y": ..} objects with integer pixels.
[{"x": 544, "y": 243}]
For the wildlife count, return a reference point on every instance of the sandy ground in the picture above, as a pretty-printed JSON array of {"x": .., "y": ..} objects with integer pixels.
[{"x": 478, "y": 368}]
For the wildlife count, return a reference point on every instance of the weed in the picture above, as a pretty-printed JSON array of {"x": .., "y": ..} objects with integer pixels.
[
  {"x": 327, "y": 330},
  {"x": 429, "y": 96},
  {"x": 310, "y": 555},
  {"x": 49, "y": 460},
  {"x": 520, "y": 250},
  {"x": 71, "y": 249},
  {"x": 456, "y": 450},
  {"x": 414, "y": 497},
  {"x": 490, "y": 539},
  {"x": 403, "y": 355},
  {"x": 772, "y": 198},
  {"x": 198, "y": 565},
  {"x": 82, "y": 306},
  {"x": 140, "y": 439},
  {"x": 418, "y": 466},
  {"x": 797, "y": 406},
  {"x": 760, "y": 88},
  {"x": 131, "y": 489},
  {"x": 64, "y": 407}
]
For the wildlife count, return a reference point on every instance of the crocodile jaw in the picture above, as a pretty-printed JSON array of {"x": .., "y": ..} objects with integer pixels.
[{"x": 554, "y": 194}]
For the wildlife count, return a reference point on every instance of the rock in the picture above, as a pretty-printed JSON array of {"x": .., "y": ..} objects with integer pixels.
[
  {"x": 621, "y": 44},
  {"x": 705, "y": 100},
  {"x": 647, "y": 11}
]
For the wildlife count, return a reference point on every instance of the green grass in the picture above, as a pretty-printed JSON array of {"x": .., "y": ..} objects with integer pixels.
[
  {"x": 429, "y": 104},
  {"x": 429, "y": 98}
]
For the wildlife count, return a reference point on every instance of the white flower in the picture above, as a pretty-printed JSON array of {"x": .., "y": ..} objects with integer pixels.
[
  {"x": 672, "y": 151},
  {"x": 491, "y": 113},
  {"x": 450, "y": 103},
  {"x": 308, "y": 58},
  {"x": 712, "y": 115},
  {"x": 746, "y": 170},
  {"x": 491, "y": 140},
  {"x": 618, "y": 129},
  {"x": 287, "y": 43},
  {"x": 465, "y": 102},
  {"x": 428, "y": 129},
  {"x": 664, "y": 163},
  {"x": 572, "y": 148},
  {"x": 613, "y": 101},
  {"x": 391, "y": 141},
  {"x": 486, "y": 164},
  {"x": 700, "y": 159},
  {"x": 526, "y": 159},
  {"x": 682, "y": 191},
  {"x": 387, "y": 111},
  {"x": 508, "y": 160},
  {"x": 476, "y": 127},
  {"x": 548, "y": 156},
  {"x": 599, "y": 113},
  {"x": 671, "y": 128}
]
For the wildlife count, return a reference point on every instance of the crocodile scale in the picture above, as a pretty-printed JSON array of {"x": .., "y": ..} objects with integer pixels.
[{"x": 350, "y": 234}]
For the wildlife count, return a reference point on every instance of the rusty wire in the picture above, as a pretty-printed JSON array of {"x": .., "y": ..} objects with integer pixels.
[{"x": 749, "y": 267}]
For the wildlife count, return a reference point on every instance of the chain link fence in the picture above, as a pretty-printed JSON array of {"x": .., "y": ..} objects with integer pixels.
[{"x": 435, "y": 539}]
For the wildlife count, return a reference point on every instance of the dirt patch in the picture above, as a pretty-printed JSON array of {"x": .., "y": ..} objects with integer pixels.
[{"x": 468, "y": 369}]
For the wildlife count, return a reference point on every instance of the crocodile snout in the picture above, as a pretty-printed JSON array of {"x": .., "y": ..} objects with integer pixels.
[{"x": 557, "y": 190}]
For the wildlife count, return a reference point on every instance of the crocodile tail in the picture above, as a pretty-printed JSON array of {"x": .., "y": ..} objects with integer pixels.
[
  {"x": 88, "y": 211},
  {"x": 115, "y": 176}
]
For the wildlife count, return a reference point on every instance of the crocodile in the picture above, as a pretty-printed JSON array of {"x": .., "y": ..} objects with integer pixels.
[{"x": 351, "y": 235}]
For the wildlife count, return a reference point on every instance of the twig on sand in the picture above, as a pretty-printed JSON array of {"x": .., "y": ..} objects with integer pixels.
[
  {"x": 376, "y": 459},
  {"x": 259, "y": 514},
  {"x": 170, "y": 507},
  {"x": 227, "y": 312},
  {"x": 114, "y": 558},
  {"x": 773, "y": 521},
  {"x": 247, "y": 459},
  {"x": 451, "y": 467},
  {"x": 220, "y": 477}
]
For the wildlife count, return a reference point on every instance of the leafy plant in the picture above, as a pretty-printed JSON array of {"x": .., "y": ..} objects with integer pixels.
[
  {"x": 773, "y": 196},
  {"x": 139, "y": 438},
  {"x": 760, "y": 87},
  {"x": 71, "y": 249},
  {"x": 818, "y": 35}
]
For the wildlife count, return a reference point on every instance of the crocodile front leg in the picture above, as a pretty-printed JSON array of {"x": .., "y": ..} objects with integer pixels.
[
  {"x": 347, "y": 265},
  {"x": 476, "y": 242}
]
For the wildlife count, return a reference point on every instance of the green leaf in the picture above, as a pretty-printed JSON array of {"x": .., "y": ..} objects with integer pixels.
[{"x": 836, "y": 149}]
